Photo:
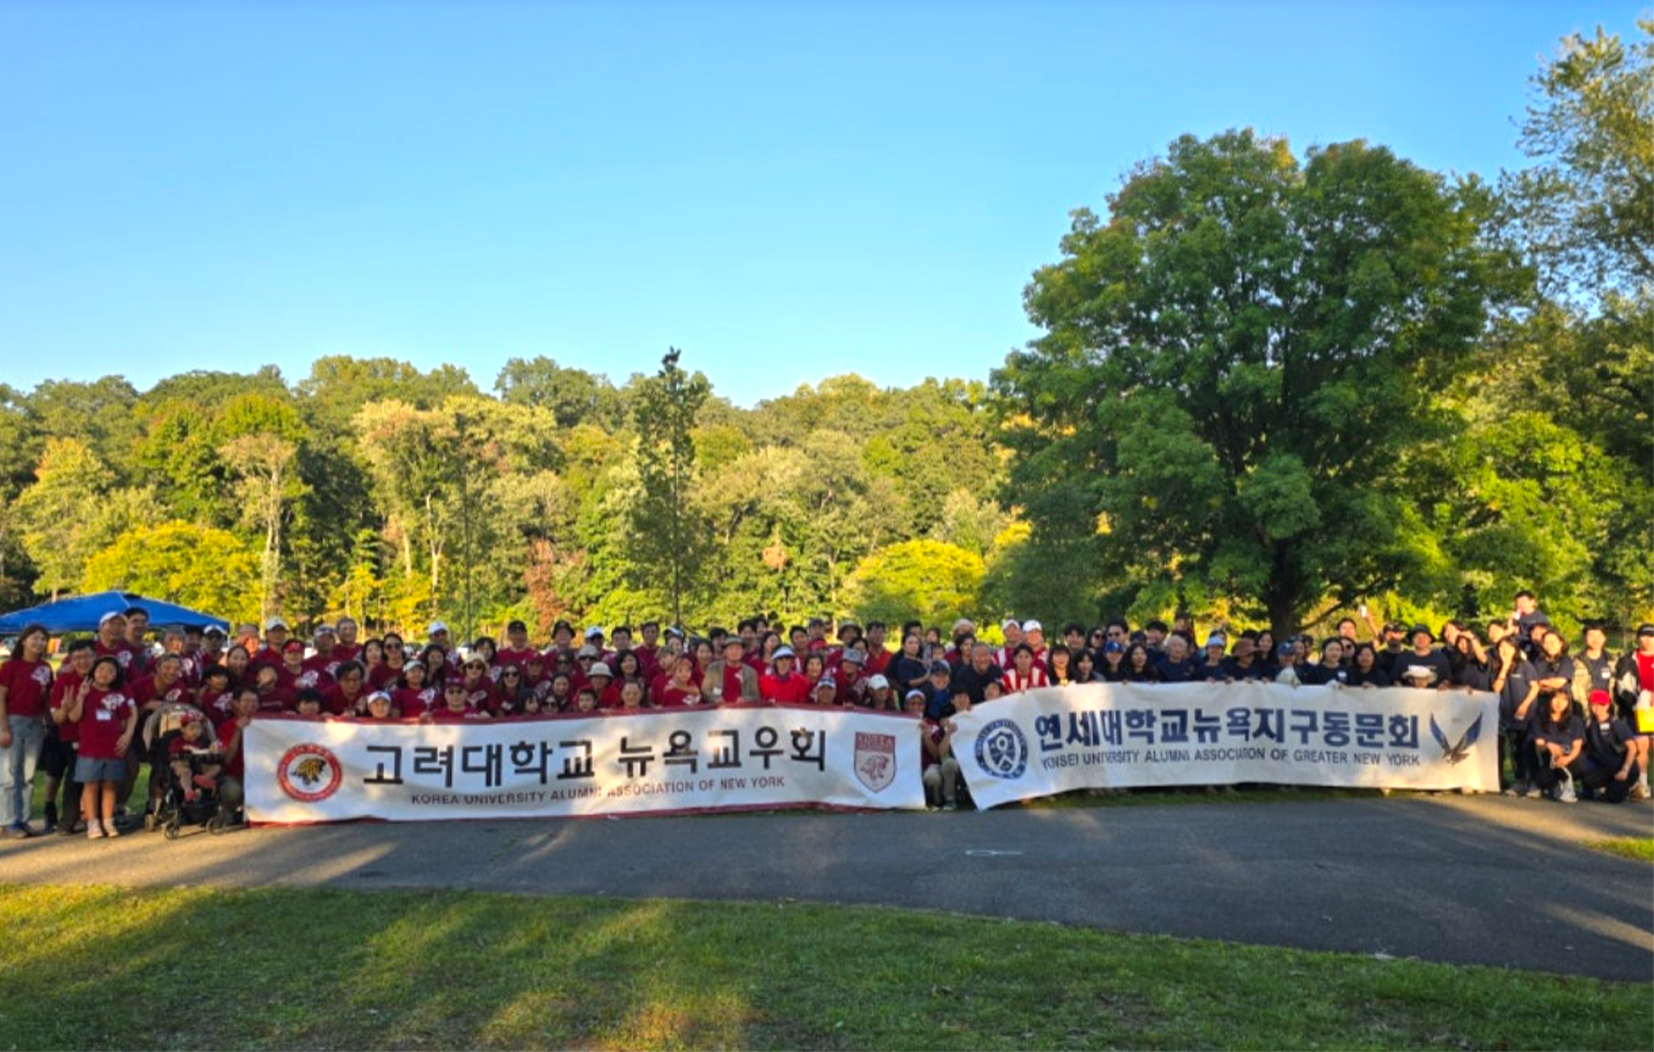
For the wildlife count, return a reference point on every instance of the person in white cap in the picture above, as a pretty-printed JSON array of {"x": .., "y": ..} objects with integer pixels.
[
  {"x": 112, "y": 639},
  {"x": 1005, "y": 655},
  {"x": 1034, "y": 635},
  {"x": 275, "y": 638},
  {"x": 784, "y": 684}
]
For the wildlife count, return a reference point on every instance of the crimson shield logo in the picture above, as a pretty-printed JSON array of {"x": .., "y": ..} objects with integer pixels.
[{"x": 875, "y": 760}]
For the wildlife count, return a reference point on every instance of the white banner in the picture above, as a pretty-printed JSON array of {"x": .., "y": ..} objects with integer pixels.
[
  {"x": 1120, "y": 735},
  {"x": 728, "y": 758}
]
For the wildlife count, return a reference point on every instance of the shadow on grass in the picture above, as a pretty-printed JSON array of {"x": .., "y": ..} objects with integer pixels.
[{"x": 276, "y": 968}]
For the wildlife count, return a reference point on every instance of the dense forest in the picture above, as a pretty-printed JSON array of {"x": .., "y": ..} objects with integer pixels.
[{"x": 1271, "y": 388}]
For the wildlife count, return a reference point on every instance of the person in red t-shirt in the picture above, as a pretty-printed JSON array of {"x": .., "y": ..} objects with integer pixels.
[
  {"x": 480, "y": 689},
  {"x": 216, "y": 697},
  {"x": 194, "y": 758},
  {"x": 454, "y": 707},
  {"x": 1024, "y": 673},
  {"x": 107, "y": 719},
  {"x": 517, "y": 650},
  {"x": 231, "y": 793},
  {"x": 346, "y": 648},
  {"x": 63, "y": 740},
  {"x": 347, "y": 695},
  {"x": 681, "y": 690},
  {"x": 385, "y": 675},
  {"x": 784, "y": 686},
  {"x": 411, "y": 698},
  {"x": 326, "y": 658},
  {"x": 25, "y": 690}
]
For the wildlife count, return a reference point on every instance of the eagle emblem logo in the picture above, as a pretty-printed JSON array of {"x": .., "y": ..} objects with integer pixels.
[{"x": 1456, "y": 753}]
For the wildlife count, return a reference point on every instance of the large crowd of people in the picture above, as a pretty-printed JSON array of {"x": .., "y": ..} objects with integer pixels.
[{"x": 1575, "y": 720}]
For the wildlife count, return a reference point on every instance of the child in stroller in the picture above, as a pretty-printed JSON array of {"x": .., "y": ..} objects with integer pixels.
[{"x": 188, "y": 769}]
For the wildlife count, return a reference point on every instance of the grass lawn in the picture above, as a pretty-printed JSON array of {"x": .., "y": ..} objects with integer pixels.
[
  {"x": 1640, "y": 848},
  {"x": 95, "y": 967}
]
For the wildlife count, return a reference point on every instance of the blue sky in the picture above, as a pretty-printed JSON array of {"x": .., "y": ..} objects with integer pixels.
[{"x": 785, "y": 190}]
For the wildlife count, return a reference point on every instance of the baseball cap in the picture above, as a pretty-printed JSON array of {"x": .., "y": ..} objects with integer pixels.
[
  {"x": 588, "y": 651},
  {"x": 1113, "y": 647},
  {"x": 939, "y": 666},
  {"x": 1010, "y": 622},
  {"x": 1216, "y": 640},
  {"x": 915, "y": 693},
  {"x": 826, "y": 681},
  {"x": 1645, "y": 630},
  {"x": 1286, "y": 648},
  {"x": 379, "y": 695},
  {"x": 435, "y": 627},
  {"x": 294, "y": 644},
  {"x": 1416, "y": 629},
  {"x": 1032, "y": 626},
  {"x": 325, "y": 630},
  {"x": 600, "y": 669},
  {"x": 1600, "y": 697},
  {"x": 106, "y": 618},
  {"x": 877, "y": 682},
  {"x": 855, "y": 657},
  {"x": 212, "y": 630},
  {"x": 275, "y": 623},
  {"x": 594, "y": 632},
  {"x": 782, "y": 652},
  {"x": 733, "y": 641}
]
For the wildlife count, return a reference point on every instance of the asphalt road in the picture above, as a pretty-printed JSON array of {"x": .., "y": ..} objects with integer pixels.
[{"x": 1467, "y": 880}]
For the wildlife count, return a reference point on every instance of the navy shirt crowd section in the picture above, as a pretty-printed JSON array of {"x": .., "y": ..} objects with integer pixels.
[{"x": 1573, "y": 717}]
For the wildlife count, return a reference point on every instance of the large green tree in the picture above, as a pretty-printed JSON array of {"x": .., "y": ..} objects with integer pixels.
[
  {"x": 1236, "y": 357},
  {"x": 668, "y": 530}
]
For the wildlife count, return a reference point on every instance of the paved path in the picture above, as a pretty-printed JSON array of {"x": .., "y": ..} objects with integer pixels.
[{"x": 1483, "y": 880}]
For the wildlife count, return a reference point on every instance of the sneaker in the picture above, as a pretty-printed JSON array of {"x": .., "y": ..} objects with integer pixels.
[
  {"x": 950, "y": 806},
  {"x": 94, "y": 831},
  {"x": 1638, "y": 791},
  {"x": 1519, "y": 789},
  {"x": 20, "y": 831},
  {"x": 1565, "y": 792},
  {"x": 1532, "y": 792},
  {"x": 112, "y": 831}
]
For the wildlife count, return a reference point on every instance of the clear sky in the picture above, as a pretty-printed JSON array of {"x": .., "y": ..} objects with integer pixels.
[{"x": 786, "y": 190}]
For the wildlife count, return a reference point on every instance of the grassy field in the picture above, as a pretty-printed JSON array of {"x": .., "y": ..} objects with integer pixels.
[
  {"x": 103, "y": 968},
  {"x": 1640, "y": 848}
]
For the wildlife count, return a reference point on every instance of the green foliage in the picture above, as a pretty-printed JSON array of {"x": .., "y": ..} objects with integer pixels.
[
  {"x": 571, "y": 396},
  {"x": 55, "y": 515},
  {"x": 208, "y": 569},
  {"x": 929, "y": 580},
  {"x": 1585, "y": 208},
  {"x": 1235, "y": 361},
  {"x": 668, "y": 533}
]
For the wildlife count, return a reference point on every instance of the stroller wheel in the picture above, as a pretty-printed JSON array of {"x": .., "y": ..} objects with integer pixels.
[
  {"x": 171, "y": 830},
  {"x": 216, "y": 824}
]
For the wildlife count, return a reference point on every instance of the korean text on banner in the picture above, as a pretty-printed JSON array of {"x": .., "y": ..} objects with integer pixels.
[
  {"x": 735, "y": 757},
  {"x": 1122, "y": 735}
]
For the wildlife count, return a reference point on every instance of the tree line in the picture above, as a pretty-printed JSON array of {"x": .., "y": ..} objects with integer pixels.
[{"x": 1270, "y": 388}]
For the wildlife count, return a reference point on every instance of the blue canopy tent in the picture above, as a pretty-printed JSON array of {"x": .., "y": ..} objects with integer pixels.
[{"x": 80, "y": 613}]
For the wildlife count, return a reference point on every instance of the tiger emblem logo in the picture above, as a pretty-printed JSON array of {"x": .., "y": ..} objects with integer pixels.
[{"x": 309, "y": 773}]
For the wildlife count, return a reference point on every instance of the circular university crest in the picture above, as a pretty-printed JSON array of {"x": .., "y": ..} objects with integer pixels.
[
  {"x": 1001, "y": 750},
  {"x": 309, "y": 773}
]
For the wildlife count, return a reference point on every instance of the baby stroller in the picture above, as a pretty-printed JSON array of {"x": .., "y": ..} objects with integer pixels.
[{"x": 178, "y": 801}]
